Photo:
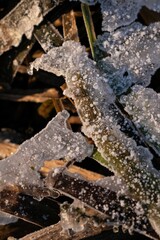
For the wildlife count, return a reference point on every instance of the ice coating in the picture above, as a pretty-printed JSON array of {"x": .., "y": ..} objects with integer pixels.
[
  {"x": 117, "y": 13},
  {"x": 19, "y": 21},
  {"x": 143, "y": 104},
  {"x": 73, "y": 57},
  {"x": 133, "y": 53},
  {"x": 153, "y": 5},
  {"x": 86, "y": 87},
  {"x": 105, "y": 195},
  {"x": 53, "y": 142}
]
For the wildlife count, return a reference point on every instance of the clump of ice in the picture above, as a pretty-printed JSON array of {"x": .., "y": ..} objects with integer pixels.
[
  {"x": 118, "y": 13},
  {"x": 21, "y": 20},
  {"x": 143, "y": 104},
  {"x": 84, "y": 81},
  {"x": 90, "y": 91},
  {"x": 133, "y": 53},
  {"x": 72, "y": 58},
  {"x": 55, "y": 141},
  {"x": 153, "y": 5}
]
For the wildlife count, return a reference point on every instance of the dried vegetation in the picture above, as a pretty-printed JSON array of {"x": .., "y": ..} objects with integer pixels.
[{"x": 93, "y": 171}]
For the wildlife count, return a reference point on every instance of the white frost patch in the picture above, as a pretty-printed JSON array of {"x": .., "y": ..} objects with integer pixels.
[
  {"x": 94, "y": 101},
  {"x": 143, "y": 104},
  {"x": 133, "y": 55},
  {"x": 55, "y": 141},
  {"x": 117, "y": 13},
  {"x": 21, "y": 20}
]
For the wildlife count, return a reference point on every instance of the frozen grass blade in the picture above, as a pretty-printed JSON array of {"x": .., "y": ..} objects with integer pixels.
[{"x": 86, "y": 87}]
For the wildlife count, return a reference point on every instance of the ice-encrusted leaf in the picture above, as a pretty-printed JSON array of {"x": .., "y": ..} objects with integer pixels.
[
  {"x": 53, "y": 142},
  {"x": 21, "y": 20},
  {"x": 152, "y": 4},
  {"x": 143, "y": 104},
  {"x": 118, "y": 13},
  {"x": 123, "y": 157},
  {"x": 133, "y": 54}
]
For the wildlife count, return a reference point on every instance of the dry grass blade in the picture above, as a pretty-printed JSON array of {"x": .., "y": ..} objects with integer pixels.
[
  {"x": 7, "y": 148},
  {"x": 16, "y": 23},
  {"x": 70, "y": 30},
  {"x": 30, "y": 95},
  {"x": 55, "y": 232},
  {"x": 48, "y": 36},
  {"x": 50, "y": 165}
]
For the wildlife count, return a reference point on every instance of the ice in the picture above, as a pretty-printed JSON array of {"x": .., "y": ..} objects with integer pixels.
[
  {"x": 71, "y": 216},
  {"x": 118, "y": 13},
  {"x": 21, "y": 21},
  {"x": 71, "y": 61},
  {"x": 152, "y": 4},
  {"x": 89, "y": 90},
  {"x": 143, "y": 104},
  {"x": 55, "y": 141},
  {"x": 71, "y": 58},
  {"x": 133, "y": 54}
]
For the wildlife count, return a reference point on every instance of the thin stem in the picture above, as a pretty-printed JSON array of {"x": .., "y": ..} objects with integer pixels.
[{"x": 89, "y": 26}]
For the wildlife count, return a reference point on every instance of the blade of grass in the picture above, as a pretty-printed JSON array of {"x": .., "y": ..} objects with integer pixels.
[{"x": 89, "y": 26}]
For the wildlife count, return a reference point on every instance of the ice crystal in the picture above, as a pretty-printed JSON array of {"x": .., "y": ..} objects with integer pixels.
[
  {"x": 133, "y": 53},
  {"x": 54, "y": 142},
  {"x": 143, "y": 104}
]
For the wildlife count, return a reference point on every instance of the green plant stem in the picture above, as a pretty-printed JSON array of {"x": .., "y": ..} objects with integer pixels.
[{"x": 89, "y": 26}]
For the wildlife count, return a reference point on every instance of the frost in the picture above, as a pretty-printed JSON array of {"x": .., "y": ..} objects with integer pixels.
[
  {"x": 153, "y": 5},
  {"x": 56, "y": 141},
  {"x": 118, "y": 13},
  {"x": 143, "y": 104},
  {"x": 21, "y": 20},
  {"x": 90, "y": 92},
  {"x": 133, "y": 54},
  {"x": 72, "y": 57}
]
